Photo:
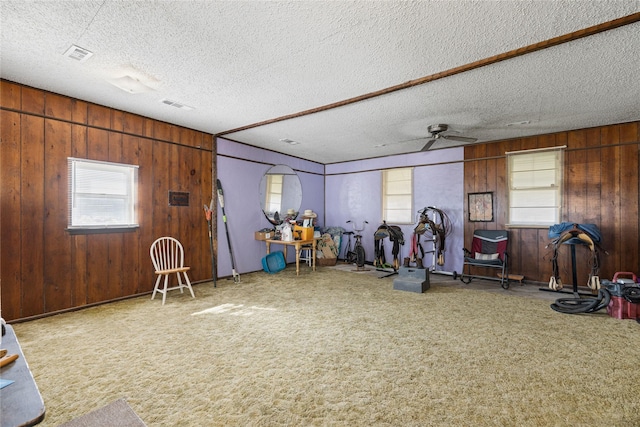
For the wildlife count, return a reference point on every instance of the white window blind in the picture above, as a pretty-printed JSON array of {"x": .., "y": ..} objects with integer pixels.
[
  {"x": 397, "y": 195},
  {"x": 535, "y": 186},
  {"x": 102, "y": 194},
  {"x": 274, "y": 193}
]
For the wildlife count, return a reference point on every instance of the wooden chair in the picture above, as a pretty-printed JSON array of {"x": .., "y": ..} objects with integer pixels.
[{"x": 167, "y": 255}]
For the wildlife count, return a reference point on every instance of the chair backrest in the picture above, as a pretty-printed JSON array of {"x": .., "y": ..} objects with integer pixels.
[
  {"x": 166, "y": 253},
  {"x": 490, "y": 242}
]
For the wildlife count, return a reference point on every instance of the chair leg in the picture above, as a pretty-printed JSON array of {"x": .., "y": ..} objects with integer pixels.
[
  {"x": 164, "y": 292},
  {"x": 305, "y": 255},
  {"x": 466, "y": 277},
  {"x": 155, "y": 288},
  {"x": 505, "y": 277},
  {"x": 165, "y": 287},
  {"x": 181, "y": 286},
  {"x": 188, "y": 285}
]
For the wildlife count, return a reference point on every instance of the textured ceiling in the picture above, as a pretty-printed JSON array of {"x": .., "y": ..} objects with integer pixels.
[{"x": 243, "y": 63}]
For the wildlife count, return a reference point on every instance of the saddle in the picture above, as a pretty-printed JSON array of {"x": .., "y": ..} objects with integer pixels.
[
  {"x": 437, "y": 230},
  {"x": 395, "y": 235},
  {"x": 571, "y": 234}
]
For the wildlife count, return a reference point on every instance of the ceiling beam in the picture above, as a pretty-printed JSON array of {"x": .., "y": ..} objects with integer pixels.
[{"x": 586, "y": 32}]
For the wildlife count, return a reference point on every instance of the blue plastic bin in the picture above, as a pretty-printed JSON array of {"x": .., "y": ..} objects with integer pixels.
[{"x": 274, "y": 262}]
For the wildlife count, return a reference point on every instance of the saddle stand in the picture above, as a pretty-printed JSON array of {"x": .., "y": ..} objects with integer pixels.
[{"x": 575, "y": 234}]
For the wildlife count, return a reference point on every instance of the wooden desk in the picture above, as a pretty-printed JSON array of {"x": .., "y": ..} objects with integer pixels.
[
  {"x": 298, "y": 244},
  {"x": 20, "y": 402}
]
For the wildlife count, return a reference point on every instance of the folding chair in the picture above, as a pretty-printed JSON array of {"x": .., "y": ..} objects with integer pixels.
[{"x": 488, "y": 250}]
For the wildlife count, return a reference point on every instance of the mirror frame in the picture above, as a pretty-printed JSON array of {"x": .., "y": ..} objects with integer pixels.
[{"x": 291, "y": 194}]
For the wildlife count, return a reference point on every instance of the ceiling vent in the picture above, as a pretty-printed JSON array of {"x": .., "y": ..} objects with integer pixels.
[
  {"x": 176, "y": 104},
  {"x": 78, "y": 53}
]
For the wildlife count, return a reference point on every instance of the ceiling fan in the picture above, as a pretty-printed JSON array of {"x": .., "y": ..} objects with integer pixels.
[{"x": 436, "y": 133}]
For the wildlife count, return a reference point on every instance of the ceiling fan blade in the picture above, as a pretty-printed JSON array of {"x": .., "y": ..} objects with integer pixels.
[
  {"x": 413, "y": 139},
  {"x": 428, "y": 144},
  {"x": 388, "y": 144},
  {"x": 459, "y": 138}
]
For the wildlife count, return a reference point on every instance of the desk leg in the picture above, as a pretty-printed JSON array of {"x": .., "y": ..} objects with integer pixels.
[
  {"x": 268, "y": 247},
  {"x": 297, "y": 246}
]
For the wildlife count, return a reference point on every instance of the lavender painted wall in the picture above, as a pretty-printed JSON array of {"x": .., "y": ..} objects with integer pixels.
[
  {"x": 353, "y": 192},
  {"x": 240, "y": 169},
  {"x": 337, "y": 193},
  {"x": 355, "y": 197}
]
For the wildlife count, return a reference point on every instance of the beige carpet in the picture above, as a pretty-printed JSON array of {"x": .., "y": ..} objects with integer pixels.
[{"x": 336, "y": 348}]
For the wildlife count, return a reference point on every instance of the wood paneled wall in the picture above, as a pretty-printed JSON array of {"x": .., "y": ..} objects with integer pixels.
[
  {"x": 44, "y": 268},
  {"x": 601, "y": 186}
]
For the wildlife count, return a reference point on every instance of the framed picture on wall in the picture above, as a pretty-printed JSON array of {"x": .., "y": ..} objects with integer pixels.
[{"x": 481, "y": 207}]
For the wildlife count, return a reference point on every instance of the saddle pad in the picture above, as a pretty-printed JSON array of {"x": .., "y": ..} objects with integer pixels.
[{"x": 592, "y": 230}]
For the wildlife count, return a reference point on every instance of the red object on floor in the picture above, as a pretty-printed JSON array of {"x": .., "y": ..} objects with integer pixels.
[{"x": 620, "y": 308}]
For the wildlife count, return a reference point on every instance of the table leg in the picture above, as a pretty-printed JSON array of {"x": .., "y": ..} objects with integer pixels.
[
  {"x": 268, "y": 247},
  {"x": 297, "y": 246},
  {"x": 313, "y": 254}
]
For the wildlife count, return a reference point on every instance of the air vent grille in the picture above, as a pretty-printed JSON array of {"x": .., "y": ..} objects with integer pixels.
[
  {"x": 176, "y": 104},
  {"x": 78, "y": 53}
]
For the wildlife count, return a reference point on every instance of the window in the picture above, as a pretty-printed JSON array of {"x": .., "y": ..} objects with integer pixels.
[
  {"x": 274, "y": 193},
  {"x": 397, "y": 195},
  {"x": 535, "y": 187},
  {"x": 102, "y": 194}
]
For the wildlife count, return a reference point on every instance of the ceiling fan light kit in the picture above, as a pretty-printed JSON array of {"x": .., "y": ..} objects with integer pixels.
[{"x": 130, "y": 84}]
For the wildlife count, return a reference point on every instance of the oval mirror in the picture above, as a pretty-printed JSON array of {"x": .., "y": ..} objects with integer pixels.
[{"x": 280, "y": 194}]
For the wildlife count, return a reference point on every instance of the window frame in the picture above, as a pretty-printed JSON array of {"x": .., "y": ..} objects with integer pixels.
[
  {"x": 130, "y": 196},
  {"x": 530, "y": 189},
  {"x": 386, "y": 194},
  {"x": 274, "y": 191}
]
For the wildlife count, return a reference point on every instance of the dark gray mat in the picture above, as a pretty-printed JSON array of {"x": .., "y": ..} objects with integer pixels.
[{"x": 115, "y": 414}]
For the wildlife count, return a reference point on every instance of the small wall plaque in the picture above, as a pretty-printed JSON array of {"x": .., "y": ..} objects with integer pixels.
[
  {"x": 177, "y": 198},
  {"x": 481, "y": 207}
]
